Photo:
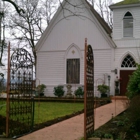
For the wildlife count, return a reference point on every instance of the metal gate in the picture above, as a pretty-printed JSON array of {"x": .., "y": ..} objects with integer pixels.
[
  {"x": 88, "y": 92},
  {"x": 19, "y": 97}
]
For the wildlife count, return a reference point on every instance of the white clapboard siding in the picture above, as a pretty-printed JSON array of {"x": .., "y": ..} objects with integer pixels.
[
  {"x": 51, "y": 70},
  {"x": 50, "y": 67},
  {"x": 118, "y": 15},
  {"x": 102, "y": 64},
  {"x": 65, "y": 35},
  {"x": 122, "y": 52},
  {"x": 127, "y": 43}
]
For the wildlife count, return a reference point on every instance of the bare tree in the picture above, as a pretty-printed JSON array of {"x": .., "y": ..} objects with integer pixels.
[
  {"x": 2, "y": 26},
  {"x": 102, "y": 7},
  {"x": 28, "y": 27}
]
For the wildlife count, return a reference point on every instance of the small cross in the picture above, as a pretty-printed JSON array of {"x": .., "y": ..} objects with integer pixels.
[{"x": 73, "y": 51}]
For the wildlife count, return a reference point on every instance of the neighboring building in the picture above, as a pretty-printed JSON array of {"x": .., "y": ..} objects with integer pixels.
[
  {"x": 126, "y": 35},
  {"x": 60, "y": 50}
]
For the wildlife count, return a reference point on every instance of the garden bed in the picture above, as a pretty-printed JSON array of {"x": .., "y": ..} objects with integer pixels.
[{"x": 120, "y": 127}]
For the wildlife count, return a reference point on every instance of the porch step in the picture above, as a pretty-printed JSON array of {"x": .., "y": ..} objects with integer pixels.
[{"x": 119, "y": 98}]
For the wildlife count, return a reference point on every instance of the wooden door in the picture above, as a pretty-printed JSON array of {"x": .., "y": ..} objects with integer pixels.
[{"x": 124, "y": 75}]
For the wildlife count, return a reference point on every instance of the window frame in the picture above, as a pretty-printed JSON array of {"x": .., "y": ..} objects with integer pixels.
[
  {"x": 128, "y": 62},
  {"x": 75, "y": 74},
  {"x": 128, "y": 25}
]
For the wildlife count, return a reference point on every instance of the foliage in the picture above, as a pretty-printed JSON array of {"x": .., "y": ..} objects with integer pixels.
[
  {"x": 79, "y": 92},
  {"x": 103, "y": 88},
  {"x": 59, "y": 91},
  {"x": 101, "y": 134},
  {"x": 134, "y": 110},
  {"x": 133, "y": 86},
  {"x": 41, "y": 88},
  {"x": 125, "y": 126}
]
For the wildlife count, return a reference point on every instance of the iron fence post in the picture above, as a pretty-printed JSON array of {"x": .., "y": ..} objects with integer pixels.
[{"x": 33, "y": 110}]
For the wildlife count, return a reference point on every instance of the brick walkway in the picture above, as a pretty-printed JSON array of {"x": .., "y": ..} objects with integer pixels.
[{"x": 73, "y": 129}]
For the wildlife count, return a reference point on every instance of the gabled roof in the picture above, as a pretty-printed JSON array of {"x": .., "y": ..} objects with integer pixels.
[
  {"x": 100, "y": 21},
  {"x": 126, "y": 3}
]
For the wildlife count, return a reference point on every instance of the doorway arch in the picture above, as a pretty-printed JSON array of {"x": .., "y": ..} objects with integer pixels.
[{"x": 128, "y": 66}]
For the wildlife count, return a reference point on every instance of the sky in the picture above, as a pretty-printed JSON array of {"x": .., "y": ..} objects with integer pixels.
[{"x": 115, "y": 1}]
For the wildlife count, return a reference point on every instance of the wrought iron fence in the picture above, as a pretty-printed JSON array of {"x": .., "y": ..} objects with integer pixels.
[
  {"x": 89, "y": 92},
  {"x": 19, "y": 98}
]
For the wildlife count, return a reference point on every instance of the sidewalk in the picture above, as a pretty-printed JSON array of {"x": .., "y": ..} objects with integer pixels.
[{"x": 73, "y": 129}]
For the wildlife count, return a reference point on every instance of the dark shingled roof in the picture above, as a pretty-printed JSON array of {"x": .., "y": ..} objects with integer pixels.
[
  {"x": 126, "y": 2},
  {"x": 100, "y": 19}
]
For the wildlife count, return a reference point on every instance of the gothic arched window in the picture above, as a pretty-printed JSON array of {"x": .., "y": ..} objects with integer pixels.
[
  {"x": 128, "y": 25},
  {"x": 128, "y": 62}
]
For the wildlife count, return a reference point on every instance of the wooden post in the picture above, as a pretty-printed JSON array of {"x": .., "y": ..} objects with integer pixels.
[
  {"x": 85, "y": 89},
  {"x": 8, "y": 92}
]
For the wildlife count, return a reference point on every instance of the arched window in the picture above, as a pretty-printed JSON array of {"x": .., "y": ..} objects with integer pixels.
[
  {"x": 128, "y": 62},
  {"x": 73, "y": 71},
  {"x": 128, "y": 25},
  {"x": 73, "y": 56}
]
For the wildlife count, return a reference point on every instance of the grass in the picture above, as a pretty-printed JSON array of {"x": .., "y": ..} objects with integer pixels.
[
  {"x": 45, "y": 111},
  {"x": 2, "y": 108},
  {"x": 51, "y": 110}
]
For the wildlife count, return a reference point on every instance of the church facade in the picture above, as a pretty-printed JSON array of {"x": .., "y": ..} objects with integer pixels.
[{"x": 60, "y": 50}]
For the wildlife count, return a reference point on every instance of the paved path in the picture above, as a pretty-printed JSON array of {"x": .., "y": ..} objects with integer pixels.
[{"x": 73, "y": 129}]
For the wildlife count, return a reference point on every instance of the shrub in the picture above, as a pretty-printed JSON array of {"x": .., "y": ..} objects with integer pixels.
[
  {"x": 41, "y": 89},
  {"x": 103, "y": 88},
  {"x": 79, "y": 92},
  {"x": 133, "y": 86},
  {"x": 134, "y": 111},
  {"x": 59, "y": 91}
]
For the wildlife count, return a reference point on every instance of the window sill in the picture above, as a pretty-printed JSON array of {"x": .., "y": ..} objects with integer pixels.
[{"x": 130, "y": 38}]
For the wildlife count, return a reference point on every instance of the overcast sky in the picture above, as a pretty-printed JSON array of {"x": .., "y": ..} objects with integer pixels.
[{"x": 115, "y": 1}]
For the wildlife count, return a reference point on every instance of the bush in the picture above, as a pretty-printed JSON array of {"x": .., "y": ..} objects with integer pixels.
[
  {"x": 133, "y": 86},
  {"x": 59, "y": 91},
  {"x": 79, "y": 92},
  {"x": 134, "y": 111},
  {"x": 103, "y": 89},
  {"x": 41, "y": 88}
]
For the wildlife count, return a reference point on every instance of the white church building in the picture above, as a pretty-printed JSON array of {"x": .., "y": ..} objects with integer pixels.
[{"x": 60, "y": 50}]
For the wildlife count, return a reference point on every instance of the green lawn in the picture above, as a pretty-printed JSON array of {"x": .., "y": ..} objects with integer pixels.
[
  {"x": 45, "y": 111},
  {"x": 2, "y": 108}
]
